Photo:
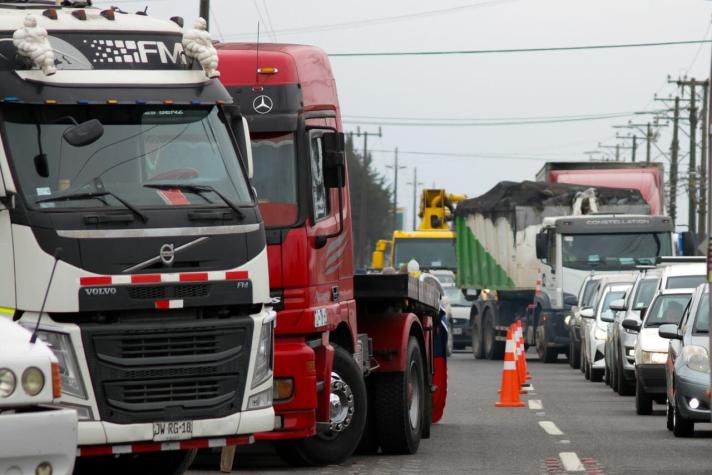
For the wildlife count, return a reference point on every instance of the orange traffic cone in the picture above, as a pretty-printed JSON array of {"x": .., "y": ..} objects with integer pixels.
[
  {"x": 509, "y": 394},
  {"x": 522, "y": 361}
]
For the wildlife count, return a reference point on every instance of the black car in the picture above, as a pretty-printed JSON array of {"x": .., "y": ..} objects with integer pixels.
[{"x": 460, "y": 309}]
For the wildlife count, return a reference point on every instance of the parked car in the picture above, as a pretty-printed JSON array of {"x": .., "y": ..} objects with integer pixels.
[
  {"x": 687, "y": 369},
  {"x": 573, "y": 321},
  {"x": 594, "y": 325},
  {"x": 460, "y": 310},
  {"x": 651, "y": 350}
]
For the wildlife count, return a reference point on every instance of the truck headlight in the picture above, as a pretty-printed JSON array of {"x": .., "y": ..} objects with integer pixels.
[
  {"x": 653, "y": 357},
  {"x": 260, "y": 400},
  {"x": 8, "y": 381},
  {"x": 33, "y": 380},
  {"x": 61, "y": 346},
  {"x": 263, "y": 358},
  {"x": 696, "y": 358}
]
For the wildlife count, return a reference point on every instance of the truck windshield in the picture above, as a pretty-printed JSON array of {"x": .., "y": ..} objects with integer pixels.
[
  {"x": 613, "y": 251},
  {"x": 275, "y": 178},
  {"x": 140, "y": 145},
  {"x": 431, "y": 253}
]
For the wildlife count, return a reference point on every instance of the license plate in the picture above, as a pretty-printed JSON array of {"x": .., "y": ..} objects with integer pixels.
[
  {"x": 457, "y": 331},
  {"x": 177, "y": 430}
]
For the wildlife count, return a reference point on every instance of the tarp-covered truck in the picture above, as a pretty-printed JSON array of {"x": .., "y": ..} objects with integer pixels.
[{"x": 526, "y": 248}]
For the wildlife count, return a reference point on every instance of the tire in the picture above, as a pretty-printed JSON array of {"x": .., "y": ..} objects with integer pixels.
[
  {"x": 338, "y": 444},
  {"x": 681, "y": 427},
  {"x": 669, "y": 416},
  {"x": 614, "y": 373},
  {"x": 587, "y": 371},
  {"x": 399, "y": 404},
  {"x": 175, "y": 462},
  {"x": 596, "y": 374},
  {"x": 546, "y": 354},
  {"x": 643, "y": 401},
  {"x": 607, "y": 376},
  {"x": 624, "y": 387},
  {"x": 489, "y": 335},
  {"x": 574, "y": 356},
  {"x": 478, "y": 350}
]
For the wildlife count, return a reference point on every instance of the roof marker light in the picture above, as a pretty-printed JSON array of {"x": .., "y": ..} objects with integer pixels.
[
  {"x": 83, "y": 102},
  {"x": 108, "y": 14},
  {"x": 80, "y": 14},
  {"x": 220, "y": 102},
  {"x": 50, "y": 101},
  {"x": 196, "y": 102},
  {"x": 140, "y": 102},
  {"x": 112, "y": 102},
  {"x": 11, "y": 99},
  {"x": 50, "y": 13},
  {"x": 258, "y": 89},
  {"x": 268, "y": 70},
  {"x": 168, "y": 102}
]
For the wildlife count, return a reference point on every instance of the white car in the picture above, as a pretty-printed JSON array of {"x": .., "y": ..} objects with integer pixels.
[
  {"x": 594, "y": 326},
  {"x": 39, "y": 439},
  {"x": 651, "y": 350}
]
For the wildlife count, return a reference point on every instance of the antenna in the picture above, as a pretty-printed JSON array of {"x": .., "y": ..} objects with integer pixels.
[
  {"x": 33, "y": 339},
  {"x": 257, "y": 59}
]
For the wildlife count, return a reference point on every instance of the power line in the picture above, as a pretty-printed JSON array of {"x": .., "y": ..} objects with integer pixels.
[
  {"x": 495, "y": 119},
  {"x": 518, "y": 50},
  {"x": 481, "y": 124},
  {"x": 492, "y": 156}
]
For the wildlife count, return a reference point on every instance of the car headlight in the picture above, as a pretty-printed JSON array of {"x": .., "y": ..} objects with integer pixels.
[
  {"x": 33, "y": 380},
  {"x": 8, "y": 381},
  {"x": 61, "y": 346},
  {"x": 630, "y": 352},
  {"x": 567, "y": 319},
  {"x": 696, "y": 358},
  {"x": 653, "y": 357},
  {"x": 263, "y": 359},
  {"x": 600, "y": 334}
]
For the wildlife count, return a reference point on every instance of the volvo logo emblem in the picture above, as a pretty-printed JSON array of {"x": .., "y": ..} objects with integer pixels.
[
  {"x": 262, "y": 104},
  {"x": 167, "y": 254}
]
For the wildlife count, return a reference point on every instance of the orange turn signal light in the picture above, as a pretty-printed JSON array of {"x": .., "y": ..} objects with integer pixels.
[
  {"x": 56, "y": 381},
  {"x": 267, "y": 70},
  {"x": 283, "y": 388}
]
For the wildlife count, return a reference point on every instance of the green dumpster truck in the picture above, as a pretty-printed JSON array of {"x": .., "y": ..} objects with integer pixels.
[{"x": 524, "y": 248}]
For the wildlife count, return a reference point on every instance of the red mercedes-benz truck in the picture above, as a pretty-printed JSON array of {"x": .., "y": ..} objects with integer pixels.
[{"x": 353, "y": 354}]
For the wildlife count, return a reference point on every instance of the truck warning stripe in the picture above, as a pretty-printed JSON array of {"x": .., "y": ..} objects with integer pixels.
[
  {"x": 167, "y": 304},
  {"x": 95, "y": 450},
  {"x": 162, "y": 278}
]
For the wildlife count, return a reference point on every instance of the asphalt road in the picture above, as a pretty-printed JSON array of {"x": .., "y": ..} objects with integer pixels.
[{"x": 569, "y": 423}]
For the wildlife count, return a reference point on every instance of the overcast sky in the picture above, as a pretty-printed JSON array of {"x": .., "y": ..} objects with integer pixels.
[{"x": 481, "y": 86}]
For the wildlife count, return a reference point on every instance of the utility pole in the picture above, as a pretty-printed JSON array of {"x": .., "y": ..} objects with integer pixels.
[
  {"x": 395, "y": 168},
  {"x": 633, "y": 148},
  {"x": 618, "y": 147},
  {"x": 674, "y": 149},
  {"x": 362, "y": 252},
  {"x": 702, "y": 208},
  {"x": 415, "y": 184},
  {"x": 205, "y": 11},
  {"x": 648, "y": 141},
  {"x": 647, "y": 131}
]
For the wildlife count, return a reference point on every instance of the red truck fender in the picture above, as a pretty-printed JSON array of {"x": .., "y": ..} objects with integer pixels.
[{"x": 390, "y": 334}]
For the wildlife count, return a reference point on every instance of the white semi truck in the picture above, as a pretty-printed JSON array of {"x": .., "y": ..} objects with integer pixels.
[
  {"x": 127, "y": 223},
  {"x": 36, "y": 438}
]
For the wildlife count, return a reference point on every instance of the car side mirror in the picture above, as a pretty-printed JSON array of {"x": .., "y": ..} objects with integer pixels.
[
  {"x": 587, "y": 313},
  {"x": 334, "y": 160},
  {"x": 84, "y": 134},
  {"x": 669, "y": 331},
  {"x": 542, "y": 246},
  {"x": 618, "y": 305},
  {"x": 631, "y": 324}
]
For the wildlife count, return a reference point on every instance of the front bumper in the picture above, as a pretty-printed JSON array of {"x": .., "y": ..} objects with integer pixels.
[
  {"x": 652, "y": 378},
  {"x": 689, "y": 386},
  {"x": 31, "y": 438}
]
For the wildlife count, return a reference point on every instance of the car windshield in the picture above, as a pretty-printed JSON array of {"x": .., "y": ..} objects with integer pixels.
[
  {"x": 607, "y": 300},
  {"x": 645, "y": 293},
  {"x": 685, "y": 281},
  {"x": 275, "y": 177},
  {"x": 666, "y": 309},
  {"x": 431, "y": 253},
  {"x": 140, "y": 145},
  {"x": 702, "y": 319},
  {"x": 613, "y": 251},
  {"x": 454, "y": 295}
]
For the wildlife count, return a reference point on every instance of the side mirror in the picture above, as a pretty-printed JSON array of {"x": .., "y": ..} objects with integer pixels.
[
  {"x": 587, "y": 313},
  {"x": 471, "y": 294},
  {"x": 542, "y": 246},
  {"x": 248, "y": 147},
  {"x": 631, "y": 324},
  {"x": 618, "y": 305},
  {"x": 334, "y": 160},
  {"x": 669, "y": 331},
  {"x": 84, "y": 134}
]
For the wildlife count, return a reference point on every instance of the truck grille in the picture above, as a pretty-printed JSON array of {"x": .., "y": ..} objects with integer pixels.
[
  {"x": 168, "y": 369},
  {"x": 139, "y": 292}
]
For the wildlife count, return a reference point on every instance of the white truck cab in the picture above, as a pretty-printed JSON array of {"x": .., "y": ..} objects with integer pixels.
[{"x": 36, "y": 437}]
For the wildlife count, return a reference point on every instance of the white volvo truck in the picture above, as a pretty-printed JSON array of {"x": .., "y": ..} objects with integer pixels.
[{"x": 128, "y": 225}]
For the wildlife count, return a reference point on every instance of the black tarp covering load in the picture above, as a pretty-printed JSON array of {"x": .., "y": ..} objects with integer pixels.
[{"x": 506, "y": 195}]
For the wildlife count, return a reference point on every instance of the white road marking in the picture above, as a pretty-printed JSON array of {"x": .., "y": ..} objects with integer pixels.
[
  {"x": 565, "y": 441},
  {"x": 550, "y": 428},
  {"x": 571, "y": 462},
  {"x": 535, "y": 404}
]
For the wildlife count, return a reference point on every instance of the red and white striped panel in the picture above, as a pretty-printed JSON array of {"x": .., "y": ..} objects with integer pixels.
[
  {"x": 162, "y": 278},
  {"x": 140, "y": 447}
]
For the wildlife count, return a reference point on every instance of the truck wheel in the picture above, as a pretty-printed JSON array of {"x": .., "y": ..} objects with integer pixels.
[
  {"x": 643, "y": 401},
  {"x": 546, "y": 354},
  {"x": 174, "y": 462},
  {"x": 348, "y": 415},
  {"x": 493, "y": 349},
  {"x": 477, "y": 338},
  {"x": 399, "y": 403}
]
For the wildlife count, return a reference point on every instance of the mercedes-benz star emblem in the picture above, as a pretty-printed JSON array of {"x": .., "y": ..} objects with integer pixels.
[
  {"x": 167, "y": 254},
  {"x": 262, "y": 104}
]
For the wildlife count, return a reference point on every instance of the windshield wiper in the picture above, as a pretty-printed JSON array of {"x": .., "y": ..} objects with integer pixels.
[
  {"x": 87, "y": 195},
  {"x": 198, "y": 190}
]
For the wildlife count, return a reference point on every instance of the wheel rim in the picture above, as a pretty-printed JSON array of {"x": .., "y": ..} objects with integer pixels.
[
  {"x": 341, "y": 404},
  {"x": 413, "y": 396}
]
